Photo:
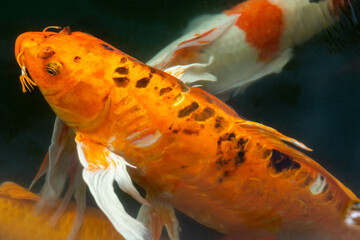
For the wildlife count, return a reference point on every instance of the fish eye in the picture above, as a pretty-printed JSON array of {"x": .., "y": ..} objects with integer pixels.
[{"x": 53, "y": 68}]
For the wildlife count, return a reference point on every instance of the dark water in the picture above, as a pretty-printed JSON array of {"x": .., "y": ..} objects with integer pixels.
[{"x": 316, "y": 99}]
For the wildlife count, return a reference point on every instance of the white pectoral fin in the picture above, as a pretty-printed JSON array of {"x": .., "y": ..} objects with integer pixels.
[
  {"x": 192, "y": 73},
  {"x": 206, "y": 31},
  {"x": 124, "y": 181},
  {"x": 99, "y": 177},
  {"x": 273, "y": 66},
  {"x": 159, "y": 214}
]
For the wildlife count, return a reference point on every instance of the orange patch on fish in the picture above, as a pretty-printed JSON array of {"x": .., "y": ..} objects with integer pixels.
[{"x": 262, "y": 30}]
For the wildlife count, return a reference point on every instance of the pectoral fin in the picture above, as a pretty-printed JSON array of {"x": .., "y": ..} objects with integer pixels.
[
  {"x": 271, "y": 136},
  {"x": 61, "y": 163},
  {"x": 192, "y": 42},
  {"x": 192, "y": 73},
  {"x": 159, "y": 214},
  {"x": 101, "y": 168},
  {"x": 273, "y": 66}
]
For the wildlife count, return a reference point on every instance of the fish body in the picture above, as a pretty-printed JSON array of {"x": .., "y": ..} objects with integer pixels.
[
  {"x": 234, "y": 48},
  {"x": 19, "y": 220},
  {"x": 185, "y": 147}
]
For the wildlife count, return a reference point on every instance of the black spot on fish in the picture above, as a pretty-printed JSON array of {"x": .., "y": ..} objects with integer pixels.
[
  {"x": 267, "y": 153},
  {"x": 77, "y": 59},
  {"x": 186, "y": 111},
  {"x": 325, "y": 188},
  {"x": 165, "y": 90},
  {"x": 307, "y": 181},
  {"x": 184, "y": 166},
  {"x": 142, "y": 83},
  {"x": 241, "y": 143},
  {"x": 221, "y": 162},
  {"x": 204, "y": 115},
  {"x": 46, "y": 53},
  {"x": 329, "y": 196},
  {"x": 150, "y": 75},
  {"x": 241, "y": 157},
  {"x": 107, "y": 47},
  {"x": 175, "y": 131},
  {"x": 152, "y": 70},
  {"x": 225, "y": 137},
  {"x": 219, "y": 122},
  {"x": 121, "y": 81},
  {"x": 122, "y": 70},
  {"x": 225, "y": 174},
  {"x": 220, "y": 140},
  {"x": 161, "y": 74},
  {"x": 46, "y": 36},
  {"x": 123, "y": 60},
  {"x": 231, "y": 137},
  {"x": 281, "y": 162},
  {"x": 190, "y": 132}
]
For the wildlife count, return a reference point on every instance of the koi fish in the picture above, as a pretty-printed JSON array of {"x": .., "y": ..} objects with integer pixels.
[
  {"x": 185, "y": 147},
  {"x": 18, "y": 220},
  {"x": 253, "y": 39}
]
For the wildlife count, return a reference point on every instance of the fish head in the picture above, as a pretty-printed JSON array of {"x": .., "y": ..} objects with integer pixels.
[{"x": 72, "y": 71}]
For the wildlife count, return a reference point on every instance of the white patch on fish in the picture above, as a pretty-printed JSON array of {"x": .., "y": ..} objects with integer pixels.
[
  {"x": 148, "y": 140},
  {"x": 319, "y": 185}
]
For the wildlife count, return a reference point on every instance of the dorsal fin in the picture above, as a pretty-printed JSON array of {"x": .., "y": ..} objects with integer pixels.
[
  {"x": 274, "y": 138},
  {"x": 12, "y": 190}
]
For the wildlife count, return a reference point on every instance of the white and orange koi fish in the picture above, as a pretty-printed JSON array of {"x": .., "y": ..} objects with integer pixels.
[{"x": 233, "y": 49}]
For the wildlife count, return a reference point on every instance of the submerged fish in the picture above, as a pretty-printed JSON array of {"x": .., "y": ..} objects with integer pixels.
[
  {"x": 18, "y": 219},
  {"x": 233, "y": 49},
  {"x": 185, "y": 147}
]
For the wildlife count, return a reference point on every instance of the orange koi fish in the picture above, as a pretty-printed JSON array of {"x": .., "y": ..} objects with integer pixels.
[
  {"x": 241, "y": 45},
  {"x": 186, "y": 148},
  {"x": 19, "y": 221}
]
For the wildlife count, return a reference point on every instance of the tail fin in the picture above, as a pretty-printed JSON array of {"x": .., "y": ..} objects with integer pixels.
[{"x": 344, "y": 33}]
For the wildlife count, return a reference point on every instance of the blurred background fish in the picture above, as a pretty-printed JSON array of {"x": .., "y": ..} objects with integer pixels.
[
  {"x": 231, "y": 50},
  {"x": 18, "y": 219}
]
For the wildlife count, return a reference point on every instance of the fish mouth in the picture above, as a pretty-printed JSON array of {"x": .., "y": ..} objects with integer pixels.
[{"x": 27, "y": 41}]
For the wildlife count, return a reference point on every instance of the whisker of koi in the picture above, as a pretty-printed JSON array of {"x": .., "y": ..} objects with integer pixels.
[
  {"x": 49, "y": 27},
  {"x": 25, "y": 80}
]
